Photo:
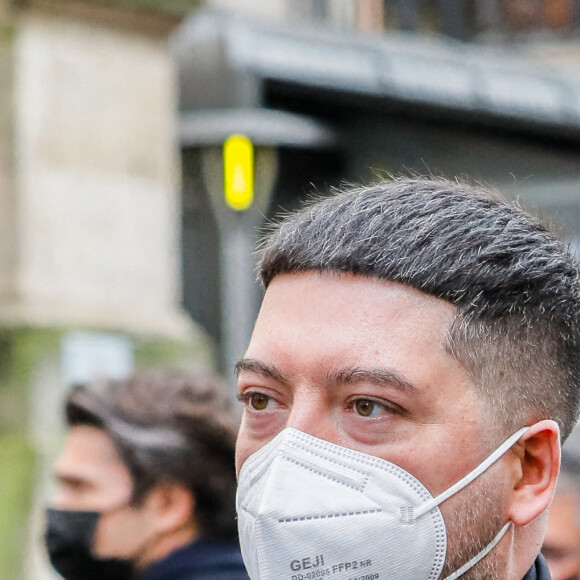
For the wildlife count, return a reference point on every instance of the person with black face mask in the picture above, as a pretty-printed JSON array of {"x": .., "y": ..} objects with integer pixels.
[{"x": 146, "y": 482}]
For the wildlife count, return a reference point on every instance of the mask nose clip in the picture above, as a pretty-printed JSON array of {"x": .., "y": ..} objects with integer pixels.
[{"x": 407, "y": 515}]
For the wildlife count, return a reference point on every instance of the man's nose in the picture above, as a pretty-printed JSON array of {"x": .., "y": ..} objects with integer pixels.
[
  {"x": 62, "y": 500},
  {"x": 312, "y": 414}
]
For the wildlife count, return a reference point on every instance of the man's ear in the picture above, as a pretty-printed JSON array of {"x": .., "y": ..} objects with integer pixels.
[
  {"x": 171, "y": 507},
  {"x": 536, "y": 467}
]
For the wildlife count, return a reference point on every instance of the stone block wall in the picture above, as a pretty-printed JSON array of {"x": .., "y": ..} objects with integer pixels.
[
  {"x": 97, "y": 176},
  {"x": 89, "y": 224}
]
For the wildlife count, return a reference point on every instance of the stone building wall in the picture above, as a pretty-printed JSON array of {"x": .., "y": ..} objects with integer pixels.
[
  {"x": 8, "y": 249},
  {"x": 97, "y": 176},
  {"x": 89, "y": 225}
]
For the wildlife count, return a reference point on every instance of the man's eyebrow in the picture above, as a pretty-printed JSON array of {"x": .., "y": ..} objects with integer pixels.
[
  {"x": 382, "y": 376},
  {"x": 261, "y": 368},
  {"x": 66, "y": 479}
]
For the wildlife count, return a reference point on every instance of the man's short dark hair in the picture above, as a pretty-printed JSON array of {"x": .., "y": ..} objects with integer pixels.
[
  {"x": 169, "y": 426},
  {"x": 514, "y": 284}
]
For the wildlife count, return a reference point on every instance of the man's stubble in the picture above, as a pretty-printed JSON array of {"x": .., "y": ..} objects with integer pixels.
[{"x": 473, "y": 518}]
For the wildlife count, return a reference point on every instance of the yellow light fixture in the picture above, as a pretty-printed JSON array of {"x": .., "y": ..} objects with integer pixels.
[{"x": 238, "y": 156}]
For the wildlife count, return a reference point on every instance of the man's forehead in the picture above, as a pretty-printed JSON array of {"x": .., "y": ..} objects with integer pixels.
[
  {"x": 89, "y": 451},
  {"x": 352, "y": 326},
  {"x": 327, "y": 284}
]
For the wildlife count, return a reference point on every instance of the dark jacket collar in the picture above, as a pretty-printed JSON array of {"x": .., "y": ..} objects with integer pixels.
[
  {"x": 539, "y": 571},
  {"x": 205, "y": 560},
  {"x": 201, "y": 560}
]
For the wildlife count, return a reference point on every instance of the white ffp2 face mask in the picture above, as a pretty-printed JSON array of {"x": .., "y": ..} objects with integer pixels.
[{"x": 310, "y": 509}]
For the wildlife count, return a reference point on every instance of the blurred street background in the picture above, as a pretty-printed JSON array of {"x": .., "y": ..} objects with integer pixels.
[{"x": 126, "y": 239}]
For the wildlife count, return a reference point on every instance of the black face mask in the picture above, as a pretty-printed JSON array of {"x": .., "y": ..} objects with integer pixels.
[{"x": 69, "y": 539}]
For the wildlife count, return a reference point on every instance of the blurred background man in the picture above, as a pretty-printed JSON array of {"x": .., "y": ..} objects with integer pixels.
[
  {"x": 562, "y": 542},
  {"x": 146, "y": 483}
]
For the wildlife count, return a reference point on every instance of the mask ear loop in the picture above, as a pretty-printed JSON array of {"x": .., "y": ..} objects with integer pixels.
[
  {"x": 468, "y": 565},
  {"x": 466, "y": 480}
]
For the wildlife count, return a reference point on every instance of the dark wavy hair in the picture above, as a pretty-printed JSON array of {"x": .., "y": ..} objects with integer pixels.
[
  {"x": 169, "y": 426},
  {"x": 515, "y": 286}
]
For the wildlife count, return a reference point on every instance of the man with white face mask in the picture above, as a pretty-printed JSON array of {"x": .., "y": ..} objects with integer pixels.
[{"x": 412, "y": 371}]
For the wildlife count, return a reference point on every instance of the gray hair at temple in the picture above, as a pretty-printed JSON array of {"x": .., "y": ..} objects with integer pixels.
[
  {"x": 515, "y": 286},
  {"x": 169, "y": 426}
]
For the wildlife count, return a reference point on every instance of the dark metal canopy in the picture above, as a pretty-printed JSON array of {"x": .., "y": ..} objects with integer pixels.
[{"x": 224, "y": 61}]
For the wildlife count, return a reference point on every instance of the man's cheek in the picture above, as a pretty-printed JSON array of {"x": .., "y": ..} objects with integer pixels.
[
  {"x": 256, "y": 430},
  {"x": 248, "y": 442},
  {"x": 241, "y": 451},
  {"x": 117, "y": 534}
]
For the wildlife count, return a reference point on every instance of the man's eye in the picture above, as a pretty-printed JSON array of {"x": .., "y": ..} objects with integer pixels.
[
  {"x": 368, "y": 408},
  {"x": 257, "y": 401}
]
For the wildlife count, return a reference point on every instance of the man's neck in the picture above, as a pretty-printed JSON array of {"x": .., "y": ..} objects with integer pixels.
[{"x": 161, "y": 546}]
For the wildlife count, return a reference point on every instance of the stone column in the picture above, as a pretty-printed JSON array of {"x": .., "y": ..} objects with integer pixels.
[
  {"x": 89, "y": 223},
  {"x": 97, "y": 171}
]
